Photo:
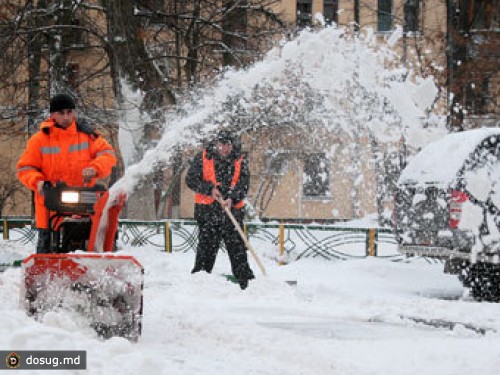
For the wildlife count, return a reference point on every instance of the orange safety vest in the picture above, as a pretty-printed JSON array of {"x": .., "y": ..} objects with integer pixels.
[{"x": 209, "y": 175}]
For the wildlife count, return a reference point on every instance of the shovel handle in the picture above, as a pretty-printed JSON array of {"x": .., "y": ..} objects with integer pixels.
[{"x": 244, "y": 238}]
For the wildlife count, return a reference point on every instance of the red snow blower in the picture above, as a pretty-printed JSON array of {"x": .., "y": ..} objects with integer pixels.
[{"x": 104, "y": 288}]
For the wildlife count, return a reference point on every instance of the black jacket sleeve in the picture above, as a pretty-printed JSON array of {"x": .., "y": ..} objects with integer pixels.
[
  {"x": 194, "y": 180},
  {"x": 194, "y": 177},
  {"x": 240, "y": 190}
]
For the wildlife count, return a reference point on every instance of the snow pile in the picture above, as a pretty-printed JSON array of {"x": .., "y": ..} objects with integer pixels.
[{"x": 441, "y": 160}]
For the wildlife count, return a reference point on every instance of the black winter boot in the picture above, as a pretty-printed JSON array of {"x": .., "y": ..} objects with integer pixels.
[
  {"x": 243, "y": 283},
  {"x": 196, "y": 269}
]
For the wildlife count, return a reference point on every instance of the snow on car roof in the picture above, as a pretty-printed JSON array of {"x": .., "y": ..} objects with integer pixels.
[{"x": 439, "y": 161}]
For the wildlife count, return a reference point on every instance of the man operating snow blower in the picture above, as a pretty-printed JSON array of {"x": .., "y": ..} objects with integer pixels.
[
  {"x": 63, "y": 150},
  {"x": 60, "y": 164}
]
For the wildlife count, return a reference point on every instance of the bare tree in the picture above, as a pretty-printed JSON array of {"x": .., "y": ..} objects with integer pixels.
[
  {"x": 469, "y": 55},
  {"x": 473, "y": 53},
  {"x": 157, "y": 47},
  {"x": 89, "y": 48},
  {"x": 203, "y": 36},
  {"x": 10, "y": 188}
]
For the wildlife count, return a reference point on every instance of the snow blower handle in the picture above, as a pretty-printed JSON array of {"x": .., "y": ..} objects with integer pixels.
[
  {"x": 243, "y": 237},
  {"x": 88, "y": 174}
]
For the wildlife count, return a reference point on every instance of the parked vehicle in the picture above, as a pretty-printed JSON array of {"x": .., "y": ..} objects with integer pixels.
[{"x": 447, "y": 206}]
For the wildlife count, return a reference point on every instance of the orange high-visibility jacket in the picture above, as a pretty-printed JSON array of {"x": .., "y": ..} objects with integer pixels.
[
  {"x": 54, "y": 154},
  {"x": 209, "y": 175}
]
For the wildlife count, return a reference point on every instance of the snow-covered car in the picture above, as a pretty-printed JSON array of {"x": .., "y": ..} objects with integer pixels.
[{"x": 447, "y": 206}]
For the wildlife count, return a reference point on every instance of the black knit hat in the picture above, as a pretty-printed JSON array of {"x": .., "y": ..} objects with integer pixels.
[
  {"x": 60, "y": 102},
  {"x": 226, "y": 137}
]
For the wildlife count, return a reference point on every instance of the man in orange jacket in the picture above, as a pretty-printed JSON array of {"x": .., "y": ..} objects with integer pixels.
[{"x": 63, "y": 150}]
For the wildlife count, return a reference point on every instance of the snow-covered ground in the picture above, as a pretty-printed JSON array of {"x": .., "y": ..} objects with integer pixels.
[
  {"x": 369, "y": 316},
  {"x": 365, "y": 316}
]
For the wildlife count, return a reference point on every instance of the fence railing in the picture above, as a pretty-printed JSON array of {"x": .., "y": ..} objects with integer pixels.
[{"x": 280, "y": 240}]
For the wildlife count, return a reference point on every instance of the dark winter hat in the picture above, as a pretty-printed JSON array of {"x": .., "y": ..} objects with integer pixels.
[
  {"x": 60, "y": 102},
  {"x": 226, "y": 137}
]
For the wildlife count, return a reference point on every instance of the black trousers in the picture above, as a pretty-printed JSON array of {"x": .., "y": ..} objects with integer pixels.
[
  {"x": 214, "y": 227},
  {"x": 43, "y": 244}
]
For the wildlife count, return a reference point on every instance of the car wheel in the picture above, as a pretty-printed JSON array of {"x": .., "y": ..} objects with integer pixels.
[{"x": 485, "y": 282}]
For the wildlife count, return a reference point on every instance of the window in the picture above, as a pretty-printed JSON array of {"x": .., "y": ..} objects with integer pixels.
[
  {"x": 484, "y": 14},
  {"x": 151, "y": 5},
  {"x": 316, "y": 176},
  {"x": 411, "y": 14},
  {"x": 73, "y": 75},
  {"x": 150, "y": 12},
  {"x": 477, "y": 97},
  {"x": 384, "y": 14},
  {"x": 304, "y": 13},
  {"x": 330, "y": 9},
  {"x": 76, "y": 37}
]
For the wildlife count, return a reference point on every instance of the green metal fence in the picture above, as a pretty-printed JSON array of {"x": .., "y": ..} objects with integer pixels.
[{"x": 282, "y": 240}]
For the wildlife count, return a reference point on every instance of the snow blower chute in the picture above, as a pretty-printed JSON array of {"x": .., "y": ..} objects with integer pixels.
[{"x": 104, "y": 288}]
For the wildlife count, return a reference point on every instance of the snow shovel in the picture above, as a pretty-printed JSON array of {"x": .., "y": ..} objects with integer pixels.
[
  {"x": 14, "y": 263},
  {"x": 243, "y": 237}
]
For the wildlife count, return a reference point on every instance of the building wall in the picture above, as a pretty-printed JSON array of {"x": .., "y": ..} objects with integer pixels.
[
  {"x": 282, "y": 193},
  {"x": 287, "y": 201},
  {"x": 12, "y": 145}
]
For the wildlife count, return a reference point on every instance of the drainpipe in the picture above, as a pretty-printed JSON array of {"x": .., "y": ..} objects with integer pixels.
[
  {"x": 356, "y": 15},
  {"x": 405, "y": 30},
  {"x": 449, "y": 55}
]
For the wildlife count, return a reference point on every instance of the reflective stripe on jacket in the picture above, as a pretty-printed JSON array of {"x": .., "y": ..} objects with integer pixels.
[
  {"x": 54, "y": 154},
  {"x": 209, "y": 175}
]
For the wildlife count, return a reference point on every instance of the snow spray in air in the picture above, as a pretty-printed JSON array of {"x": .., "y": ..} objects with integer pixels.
[{"x": 327, "y": 79}]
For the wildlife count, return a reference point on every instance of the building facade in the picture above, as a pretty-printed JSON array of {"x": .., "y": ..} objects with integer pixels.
[{"x": 291, "y": 180}]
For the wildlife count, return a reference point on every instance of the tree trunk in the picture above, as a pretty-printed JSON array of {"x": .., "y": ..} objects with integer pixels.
[{"x": 34, "y": 73}]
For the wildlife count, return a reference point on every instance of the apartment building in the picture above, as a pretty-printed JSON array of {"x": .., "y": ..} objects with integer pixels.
[{"x": 439, "y": 38}]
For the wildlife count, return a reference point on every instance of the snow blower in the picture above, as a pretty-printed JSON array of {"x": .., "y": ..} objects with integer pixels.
[{"x": 104, "y": 288}]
